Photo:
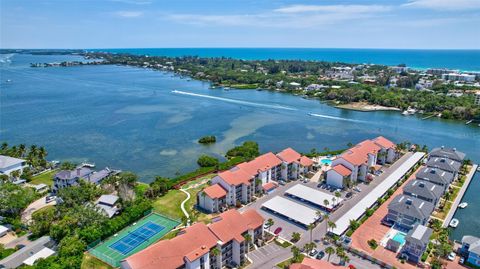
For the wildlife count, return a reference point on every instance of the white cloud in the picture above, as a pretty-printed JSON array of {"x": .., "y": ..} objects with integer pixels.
[
  {"x": 333, "y": 8},
  {"x": 294, "y": 16},
  {"x": 445, "y": 4},
  {"x": 128, "y": 14}
]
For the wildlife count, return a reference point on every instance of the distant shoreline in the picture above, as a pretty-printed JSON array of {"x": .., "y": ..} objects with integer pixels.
[{"x": 365, "y": 107}]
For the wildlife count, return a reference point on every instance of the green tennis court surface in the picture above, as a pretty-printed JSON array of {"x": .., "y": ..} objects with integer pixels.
[{"x": 134, "y": 238}]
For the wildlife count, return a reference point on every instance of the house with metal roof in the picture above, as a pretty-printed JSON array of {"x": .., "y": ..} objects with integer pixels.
[
  {"x": 435, "y": 176},
  {"x": 450, "y": 153},
  {"x": 107, "y": 204},
  {"x": 40, "y": 248},
  {"x": 9, "y": 164},
  {"x": 424, "y": 190},
  {"x": 471, "y": 248},
  {"x": 416, "y": 242},
  {"x": 405, "y": 211},
  {"x": 444, "y": 164}
]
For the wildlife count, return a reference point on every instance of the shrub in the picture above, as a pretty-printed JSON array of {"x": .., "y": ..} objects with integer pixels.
[
  {"x": 372, "y": 243},
  {"x": 207, "y": 161},
  {"x": 207, "y": 139}
]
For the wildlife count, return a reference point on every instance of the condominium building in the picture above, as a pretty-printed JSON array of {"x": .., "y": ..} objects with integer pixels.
[
  {"x": 435, "y": 176},
  {"x": 424, "y": 190},
  {"x": 223, "y": 243},
  {"x": 241, "y": 183},
  {"x": 357, "y": 162}
]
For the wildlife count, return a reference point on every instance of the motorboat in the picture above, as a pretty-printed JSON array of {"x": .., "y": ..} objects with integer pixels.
[
  {"x": 454, "y": 223},
  {"x": 463, "y": 205}
]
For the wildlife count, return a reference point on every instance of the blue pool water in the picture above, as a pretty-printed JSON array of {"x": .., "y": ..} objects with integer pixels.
[
  {"x": 326, "y": 161},
  {"x": 400, "y": 238}
]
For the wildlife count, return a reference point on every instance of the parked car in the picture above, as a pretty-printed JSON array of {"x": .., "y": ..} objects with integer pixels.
[
  {"x": 313, "y": 252},
  {"x": 320, "y": 255},
  {"x": 49, "y": 199},
  {"x": 462, "y": 260},
  {"x": 281, "y": 182},
  {"x": 351, "y": 266},
  {"x": 277, "y": 231},
  {"x": 452, "y": 256},
  {"x": 356, "y": 188},
  {"x": 266, "y": 226},
  {"x": 348, "y": 195}
]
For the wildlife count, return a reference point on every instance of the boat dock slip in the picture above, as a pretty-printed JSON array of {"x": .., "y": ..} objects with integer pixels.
[{"x": 462, "y": 191}]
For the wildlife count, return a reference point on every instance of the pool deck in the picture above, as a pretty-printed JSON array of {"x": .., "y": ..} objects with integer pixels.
[{"x": 462, "y": 191}]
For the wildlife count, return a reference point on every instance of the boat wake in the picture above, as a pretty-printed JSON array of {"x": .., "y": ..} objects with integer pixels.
[
  {"x": 235, "y": 101},
  {"x": 335, "y": 118}
]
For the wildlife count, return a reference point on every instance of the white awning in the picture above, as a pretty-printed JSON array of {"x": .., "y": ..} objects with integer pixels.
[
  {"x": 292, "y": 210},
  {"x": 42, "y": 254},
  {"x": 313, "y": 196},
  {"x": 369, "y": 200}
]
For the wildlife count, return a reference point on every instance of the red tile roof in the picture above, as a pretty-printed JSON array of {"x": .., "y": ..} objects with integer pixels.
[
  {"x": 232, "y": 224},
  {"x": 342, "y": 170},
  {"x": 260, "y": 164},
  {"x": 215, "y": 191},
  {"x": 305, "y": 161},
  {"x": 171, "y": 253},
  {"x": 289, "y": 155},
  {"x": 309, "y": 263},
  {"x": 269, "y": 186},
  {"x": 383, "y": 142},
  {"x": 236, "y": 176},
  {"x": 358, "y": 154},
  {"x": 195, "y": 241}
]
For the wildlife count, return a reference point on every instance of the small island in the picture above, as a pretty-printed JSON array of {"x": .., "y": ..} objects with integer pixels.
[{"x": 209, "y": 139}]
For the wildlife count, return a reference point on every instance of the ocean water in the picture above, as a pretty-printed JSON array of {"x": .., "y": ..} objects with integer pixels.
[
  {"x": 467, "y": 60},
  {"x": 149, "y": 121}
]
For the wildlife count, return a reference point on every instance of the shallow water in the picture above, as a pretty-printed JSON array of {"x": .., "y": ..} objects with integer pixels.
[{"x": 130, "y": 118}]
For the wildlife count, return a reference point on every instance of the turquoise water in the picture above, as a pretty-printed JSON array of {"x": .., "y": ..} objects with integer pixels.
[
  {"x": 326, "y": 161},
  {"x": 129, "y": 118},
  {"x": 454, "y": 59},
  {"x": 399, "y": 237}
]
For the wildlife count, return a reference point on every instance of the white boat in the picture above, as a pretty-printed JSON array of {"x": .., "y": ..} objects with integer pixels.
[
  {"x": 454, "y": 223},
  {"x": 463, "y": 205},
  {"x": 89, "y": 165}
]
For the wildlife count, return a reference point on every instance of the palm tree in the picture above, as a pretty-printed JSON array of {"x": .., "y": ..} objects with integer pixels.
[
  {"x": 345, "y": 258},
  {"x": 339, "y": 251},
  {"x": 318, "y": 214},
  {"x": 21, "y": 150},
  {"x": 331, "y": 225},
  {"x": 309, "y": 246},
  {"x": 295, "y": 237},
  {"x": 326, "y": 218},
  {"x": 4, "y": 147},
  {"x": 270, "y": 223},
  {"x": 296, "y": 254},
  {"x": 333, "y": 201},
  {"x": 248, "y": 239},
  {"x": 310, "y": 228},
  {"x": 326, "y": 202},
  {"x": 329, "y": 251}
]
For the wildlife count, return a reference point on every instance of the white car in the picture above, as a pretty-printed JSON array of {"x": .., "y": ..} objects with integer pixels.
[
  {"x": 357, "y": 189},
  {"x": 452, "y": 256}
]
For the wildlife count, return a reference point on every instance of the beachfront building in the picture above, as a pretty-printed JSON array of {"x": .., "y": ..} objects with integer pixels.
[
  {"x": 435, "y": 176},
  {"x": 241, "y": 183},
  {"x": 450, "y": 153},
  {"x": 9, "y": 164},
  {"x": 471, "y": 249},
  {"x": 67, "y": 178},
  {"x": 293, "y": 164},
  {"x": 416, "y": 242},
  {"x": 357, "y": 162},
  {"x": 424, "y": 190},
  {"x": 220, "y": 244},
  {"x": 444, "y": 164},
  {"x": 405, "y": 212}
]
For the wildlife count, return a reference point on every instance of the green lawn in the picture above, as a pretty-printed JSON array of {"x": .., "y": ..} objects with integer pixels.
[
  {"x": 169, "y": 204},
  {"x": 45, "y": 178},
  {"x": 91, "y": 262},
  {"x": 287, "y": 263}
]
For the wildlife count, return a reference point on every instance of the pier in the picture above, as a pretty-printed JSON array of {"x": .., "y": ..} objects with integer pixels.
[{"x": 462, "y": 191}]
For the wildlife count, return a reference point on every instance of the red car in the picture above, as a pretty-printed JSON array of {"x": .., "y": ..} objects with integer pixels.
[
  {"x": 278, "y": 230},
  {"x": 351, "y": 266}
]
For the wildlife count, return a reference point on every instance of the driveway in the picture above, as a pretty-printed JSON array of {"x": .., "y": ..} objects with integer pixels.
[{"x": 33, "y": 207}]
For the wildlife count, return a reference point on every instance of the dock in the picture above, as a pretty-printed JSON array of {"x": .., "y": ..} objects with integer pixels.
[{"x": 462, "y": 191}]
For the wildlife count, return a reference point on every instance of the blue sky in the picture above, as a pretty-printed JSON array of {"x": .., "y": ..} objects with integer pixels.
[{"x": 450, "y": 24}]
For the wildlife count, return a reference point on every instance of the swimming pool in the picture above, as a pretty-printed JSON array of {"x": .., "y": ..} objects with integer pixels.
[
  {"x": 399, "y": 237},
  {"x": 326, "y": 161}
]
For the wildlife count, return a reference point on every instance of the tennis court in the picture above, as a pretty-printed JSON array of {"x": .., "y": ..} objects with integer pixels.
[{"x": 134, "y": 238}]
